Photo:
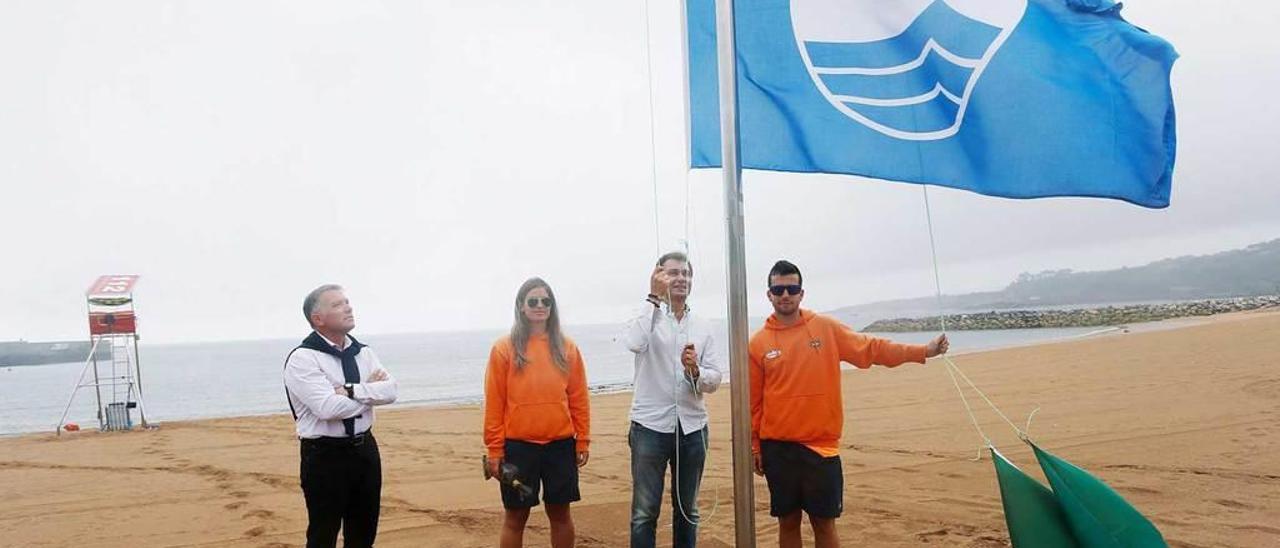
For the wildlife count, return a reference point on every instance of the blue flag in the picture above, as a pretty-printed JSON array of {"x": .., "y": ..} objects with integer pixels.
[{"x": 1013, "y": 98}]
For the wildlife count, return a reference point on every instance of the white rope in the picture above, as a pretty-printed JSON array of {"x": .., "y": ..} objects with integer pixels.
[
  {"x": 952, "y": 369},
  {"x": 706, "y": 441},
  {"x": 1021, "y": 433},
  {"x": 688, "y": 235},
  {"x": 1027, "y": 430},
  {"x": 933, "y": 252},
  {"x": 985, "y": 440},
  {"x": 653, "y": 146}
]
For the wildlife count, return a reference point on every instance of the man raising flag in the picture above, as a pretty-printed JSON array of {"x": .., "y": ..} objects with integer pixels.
[{"x": 797, "y": 413}]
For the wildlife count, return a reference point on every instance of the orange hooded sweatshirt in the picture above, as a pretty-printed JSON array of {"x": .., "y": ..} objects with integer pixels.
[
  {"x": 795, "y": 378},
  {"x": 537, "y": 403}
]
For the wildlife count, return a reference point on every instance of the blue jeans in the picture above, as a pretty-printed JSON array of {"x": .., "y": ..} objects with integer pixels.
[{"x": 650, "y": 453}]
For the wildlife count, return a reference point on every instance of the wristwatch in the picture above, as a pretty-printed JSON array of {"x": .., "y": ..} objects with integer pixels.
[{"x": 351, "y": 390}]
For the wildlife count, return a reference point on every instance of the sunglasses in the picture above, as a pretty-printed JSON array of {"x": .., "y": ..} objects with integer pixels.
[
  {"x": 533, "y": 302},
  {"x": 777, "y": 290}
]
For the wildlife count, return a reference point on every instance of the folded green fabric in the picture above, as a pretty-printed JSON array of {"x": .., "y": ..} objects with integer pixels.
[
  {"x": 1097, "y": 515},
  {"x": 1032, "y": 513}
]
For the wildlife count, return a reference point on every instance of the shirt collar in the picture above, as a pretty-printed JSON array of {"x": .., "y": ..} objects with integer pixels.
[{"x": 346, "y": 341}]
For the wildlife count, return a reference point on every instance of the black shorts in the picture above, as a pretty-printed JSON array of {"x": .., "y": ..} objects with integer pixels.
[
  {"x": 800, "y": 479},
  {"x": 551, "y": 468}
]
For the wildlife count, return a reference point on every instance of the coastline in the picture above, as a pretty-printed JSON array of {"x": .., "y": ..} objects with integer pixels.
[
  {"x": 602, "y": 388},
  {"x": 1077, "y": 316}
]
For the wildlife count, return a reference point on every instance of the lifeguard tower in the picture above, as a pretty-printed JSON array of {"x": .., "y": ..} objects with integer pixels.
[{"x": 117, "y": 383}]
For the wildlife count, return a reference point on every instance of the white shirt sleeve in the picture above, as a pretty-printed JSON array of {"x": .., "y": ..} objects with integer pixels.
[
  {"x": 710, "y": 367},
  {"x": 376, "y": 393},
  {"x": 309, "y": 386},
  {"x": 636, "y": 333}
]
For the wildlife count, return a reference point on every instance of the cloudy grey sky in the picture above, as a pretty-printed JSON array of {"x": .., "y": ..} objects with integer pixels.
[{"x": 432, "y": 155}]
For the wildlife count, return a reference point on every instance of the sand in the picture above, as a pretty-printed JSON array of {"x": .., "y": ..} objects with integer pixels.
[{"x": 1184, "y": 422}]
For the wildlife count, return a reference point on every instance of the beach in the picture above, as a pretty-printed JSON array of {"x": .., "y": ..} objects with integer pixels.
[{"x": 1183, "y": 422}]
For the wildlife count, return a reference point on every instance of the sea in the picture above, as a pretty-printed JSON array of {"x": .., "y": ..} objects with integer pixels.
[{"x": 225, "y": 379}]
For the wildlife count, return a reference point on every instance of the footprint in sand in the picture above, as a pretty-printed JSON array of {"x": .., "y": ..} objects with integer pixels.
[
  {"x": 1232, "y": 504},
  {"x": 1269, "y": 389},
  {"x": 256, "y": 531},
  {"x": 259, "y": 514},
  {"x": 1263, "y": 528},
  {"x": 240, "y": 494},
  {"x": 988, "y": 541},
  {"x": 926, "y": 536},
  {"x": 235, "y": 505}
]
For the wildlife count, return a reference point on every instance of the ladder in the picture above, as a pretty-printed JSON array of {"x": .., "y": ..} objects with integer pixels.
[{"x": 115, "y": 382}]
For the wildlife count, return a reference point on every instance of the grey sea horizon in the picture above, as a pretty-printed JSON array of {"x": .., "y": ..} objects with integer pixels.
[{"x": 186, "y": 381}]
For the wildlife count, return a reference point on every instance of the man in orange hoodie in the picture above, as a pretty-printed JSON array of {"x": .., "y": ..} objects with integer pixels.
[{"x": 797, "y": 414}]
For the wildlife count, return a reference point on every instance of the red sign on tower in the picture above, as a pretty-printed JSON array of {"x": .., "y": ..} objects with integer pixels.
[
  {"x": 111, "y": 305},
  {"x": 113, "y": 284}
]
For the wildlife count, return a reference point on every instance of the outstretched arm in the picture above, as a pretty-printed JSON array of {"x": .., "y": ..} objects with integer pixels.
[{"x": 863, "y": 351}]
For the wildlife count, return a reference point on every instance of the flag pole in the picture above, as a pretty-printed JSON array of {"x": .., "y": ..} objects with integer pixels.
[{"x": 739, "y": 380}]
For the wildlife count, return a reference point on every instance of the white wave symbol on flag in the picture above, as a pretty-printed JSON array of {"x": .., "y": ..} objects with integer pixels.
[{"x": 905, "y": 69}]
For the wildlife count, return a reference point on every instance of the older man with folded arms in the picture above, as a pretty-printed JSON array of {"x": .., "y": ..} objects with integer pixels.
[{"x": 333, "y": 383}]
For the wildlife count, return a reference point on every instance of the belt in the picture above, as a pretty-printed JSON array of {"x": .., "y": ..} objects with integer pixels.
[{"x": 353, "y": 441}]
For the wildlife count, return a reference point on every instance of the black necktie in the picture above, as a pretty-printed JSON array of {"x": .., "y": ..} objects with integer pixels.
[{"x": 350, "y": 371}]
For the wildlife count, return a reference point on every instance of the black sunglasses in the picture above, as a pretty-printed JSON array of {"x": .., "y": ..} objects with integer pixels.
[
  {"x": 532, "y": 302},
  {"x": 789, "y": 289}
]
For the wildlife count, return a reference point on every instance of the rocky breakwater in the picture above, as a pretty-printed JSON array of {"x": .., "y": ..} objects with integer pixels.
[{"x": 1078, "y": 317}]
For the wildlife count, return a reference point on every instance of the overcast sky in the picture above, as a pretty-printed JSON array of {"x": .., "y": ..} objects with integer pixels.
[{"x": 432, "y": 155}]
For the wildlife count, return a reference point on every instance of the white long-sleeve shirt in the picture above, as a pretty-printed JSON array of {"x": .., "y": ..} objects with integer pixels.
[
  {"x": 311, "y": 378},
  {"x": 663, "y": 393}
]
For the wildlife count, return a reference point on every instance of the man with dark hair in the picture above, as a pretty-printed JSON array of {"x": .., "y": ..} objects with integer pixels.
[
  {"x": 677, "y": 361},
  {"x": 332, "y": 382},
  {"x": 797, "y": 413}
]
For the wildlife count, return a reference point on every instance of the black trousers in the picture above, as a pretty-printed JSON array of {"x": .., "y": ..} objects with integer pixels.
[{"x": 342, "y": 484}]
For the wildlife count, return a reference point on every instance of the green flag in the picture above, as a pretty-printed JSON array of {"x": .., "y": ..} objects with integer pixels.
[
  {"x": 1031, "y": 512},
  {"x": 1098, "y": 516}
]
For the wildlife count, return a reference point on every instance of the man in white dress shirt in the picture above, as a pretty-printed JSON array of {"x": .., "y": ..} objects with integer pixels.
[
  {"x": 333, "y": 382},
  {"x": 677, "y": 361}
]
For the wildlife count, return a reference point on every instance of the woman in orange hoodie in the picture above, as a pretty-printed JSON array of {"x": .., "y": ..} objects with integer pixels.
[{"x": 537, "y": 415}]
